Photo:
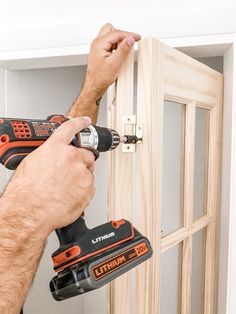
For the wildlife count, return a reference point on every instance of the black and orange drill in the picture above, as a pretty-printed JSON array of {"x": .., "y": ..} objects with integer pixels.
[{"x": 87, "y": 258}]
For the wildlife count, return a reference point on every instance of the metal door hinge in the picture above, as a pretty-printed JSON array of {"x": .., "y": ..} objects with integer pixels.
[{"x": 129, "y": 127}]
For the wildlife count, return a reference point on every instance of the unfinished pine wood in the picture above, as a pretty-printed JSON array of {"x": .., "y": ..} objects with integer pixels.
[
  {"x": 190, "y": 80},
  {"x": 111, "y": 94},
  {"x": 149, "y": 170},
  {"x": 186, "y": 277},
  {"x": 182, "y": 234},
  {"x": 120, "y": 178},
  {"x": 213, "y": 200},
  {"x": 164, "y": 74},
  {"x": 188, "y": 207}
]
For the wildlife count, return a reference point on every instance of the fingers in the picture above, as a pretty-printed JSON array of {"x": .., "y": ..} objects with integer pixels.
[
  {"x": 122, "y": 51},
  {"x": 87, "y": 157},
  {"x": 113, "y": 39},
  {"x": 117, "y": 36},
  {"x": 67, "y": 131},
  {"x": 107, "y": 28}
]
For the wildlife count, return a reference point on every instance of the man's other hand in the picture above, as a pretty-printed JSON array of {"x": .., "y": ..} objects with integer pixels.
[{"x": 107, "y": 54}]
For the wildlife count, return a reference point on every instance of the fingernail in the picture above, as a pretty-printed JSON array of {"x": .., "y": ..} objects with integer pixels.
[
  {"x": 130, "y": 41},
  {"x": 87, "y": 118}
]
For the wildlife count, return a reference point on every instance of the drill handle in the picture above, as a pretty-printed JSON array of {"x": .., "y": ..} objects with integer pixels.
[{"x": 72, "y": 232}]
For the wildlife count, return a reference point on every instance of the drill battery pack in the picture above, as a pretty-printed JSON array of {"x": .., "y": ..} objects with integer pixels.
[{"x": 110, "y": 250}]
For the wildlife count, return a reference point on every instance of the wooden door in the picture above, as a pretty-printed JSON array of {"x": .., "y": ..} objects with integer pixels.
[{"x": 169, "y": 187}]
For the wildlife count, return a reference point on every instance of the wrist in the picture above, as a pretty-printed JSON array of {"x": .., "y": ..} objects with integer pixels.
[
  {"x": 24, "y": 217},
  {"x": 91, "y": 90},
  {"x": 87, "y": 103}
]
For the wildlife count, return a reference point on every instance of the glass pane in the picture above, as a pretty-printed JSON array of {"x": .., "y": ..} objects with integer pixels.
[
  {"x": 200, "y": 162},
  {"x": 198, "y": 272},
  {"x": 170, "y": 280},
  {"x": 173, "y": 166}
]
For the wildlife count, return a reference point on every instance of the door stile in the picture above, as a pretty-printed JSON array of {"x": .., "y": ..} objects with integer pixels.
[
  {"x": 120, "y": 178},
  {"x": 111, "y": 111},
  {"x": 111, "y": 122},
  {"x": 213, "y": 200},
  {"x": 149, "y": 170}
]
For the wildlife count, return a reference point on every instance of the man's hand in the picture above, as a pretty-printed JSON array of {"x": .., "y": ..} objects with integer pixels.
[
  {"x": 50, "y": 189},
  {"x": 107, "y": 54},
  {"x": 56, "y": 179}
]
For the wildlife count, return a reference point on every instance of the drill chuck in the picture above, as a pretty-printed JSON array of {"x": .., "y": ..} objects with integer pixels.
[{"x": 98, "y": 138}]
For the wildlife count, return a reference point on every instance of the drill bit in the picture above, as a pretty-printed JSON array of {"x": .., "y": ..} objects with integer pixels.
[{"x": 129, "y": 139}]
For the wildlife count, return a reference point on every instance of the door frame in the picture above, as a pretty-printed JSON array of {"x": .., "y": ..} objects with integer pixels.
[{"x": 195, "y": 46}]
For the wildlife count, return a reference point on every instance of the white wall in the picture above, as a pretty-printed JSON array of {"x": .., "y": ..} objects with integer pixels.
[
  {"x": 30, "y": 25},
  {"x": 27, "y": 13},
  {"x": 3, "y": 172}
]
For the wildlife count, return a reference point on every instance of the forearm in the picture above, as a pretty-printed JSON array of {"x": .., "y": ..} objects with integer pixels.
[
  {"x": 86, "y": 104},
  {"x": 22, "y": 244},
  {"x": 107, "y": 54}
]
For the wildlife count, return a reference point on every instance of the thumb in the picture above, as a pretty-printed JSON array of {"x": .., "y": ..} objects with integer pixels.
[
  {"x": 70, "y": 128},
  {"x": 122, "y": 51}
]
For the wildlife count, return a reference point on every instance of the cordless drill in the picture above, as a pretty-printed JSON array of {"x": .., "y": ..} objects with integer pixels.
[{"x": 87, "y": 258}]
